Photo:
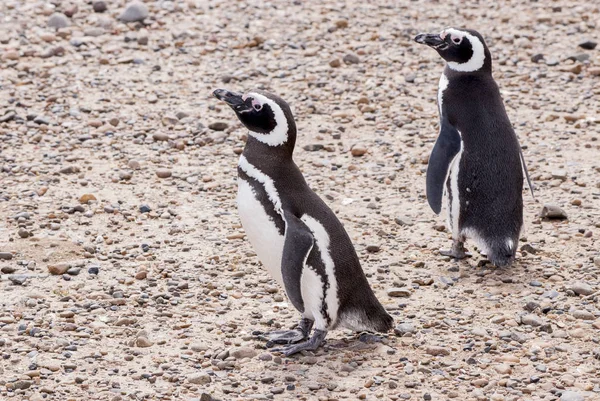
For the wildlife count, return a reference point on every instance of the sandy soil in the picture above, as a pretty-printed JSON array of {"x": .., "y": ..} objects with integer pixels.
[{"x": 151, "y": 291}]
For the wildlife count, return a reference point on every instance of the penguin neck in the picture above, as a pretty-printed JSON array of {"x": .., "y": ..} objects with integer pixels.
[
  {"x": 263, "y": 155},
  {"x": 484, "y": 70}
]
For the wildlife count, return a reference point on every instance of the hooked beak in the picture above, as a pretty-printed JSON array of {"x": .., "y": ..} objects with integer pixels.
[
  {"x": 433, "y": 40},
  {"x": 234, "y": 100}
]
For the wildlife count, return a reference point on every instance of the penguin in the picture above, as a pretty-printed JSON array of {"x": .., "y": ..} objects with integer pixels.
[
  {"x": 476, "y": 164},
  {"x": 296, "y": 236}
]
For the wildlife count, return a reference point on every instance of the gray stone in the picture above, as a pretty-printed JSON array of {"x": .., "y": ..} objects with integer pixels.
[
  {"x": 571, "y": 396},
  {"x": 553, "y": 212},
  {"x": 18, "y": 279},
  {"x": 531, "y": 320},
  {"x": 243, "y": 352},
  {"x": 399, "y": 292},
  {"x": 58, "y": 20},
  {"x": 6, "y": 256},
  {"x": 134, "y": 11},
  {"x": 581, "y": 288},
  {"x": 99, "y": 6},
  {"x": 199, "y": 378},
  {"x": 351, "y": 58},
  {"x": 404, "y": 328}
]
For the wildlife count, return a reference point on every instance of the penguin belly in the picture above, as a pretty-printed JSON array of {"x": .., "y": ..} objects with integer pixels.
[
  {"x": 260, "y": 229},
  {"x": 453, "y": 195}
]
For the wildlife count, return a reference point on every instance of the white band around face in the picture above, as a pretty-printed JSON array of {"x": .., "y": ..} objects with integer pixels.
[
  {"x": 279, "y": 134},
  {"x": 477, "y": 59}
]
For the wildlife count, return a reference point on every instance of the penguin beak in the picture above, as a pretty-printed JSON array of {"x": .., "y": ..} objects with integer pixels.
[
  {"x": 433, "y": 40},
  {"x": 234, "y": 100}
]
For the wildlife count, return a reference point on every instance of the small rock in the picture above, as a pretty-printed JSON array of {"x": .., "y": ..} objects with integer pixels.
[
  {"x": 404, "y": 328},
  {"x": 218, "y": 126},
  {"x": 351, "y": 58},
  {"x": 17, "y": 279},
  {"x": 59, "y": 268},
  {"x": 199, "y": 378},
  {"x": 588, "y": 44},
  {"x": 571, "y": 396},
  {"x": 163, "y": 173},
  {"x": 143, "y": 342},
  {"x": 503, "y": 369},
  {"x": 243, "y": 352},
  {"x": 160, "y": 136},
  {"x": 335, "y": 63},
  {"x": 399, "y": 292},
  {"x": 553, "y": 212},
  {"x": 134, "y": 11},
  {"x": 58, "y": 20},
  {"x": 358, "y": 150},
  {"x": 437, "y": 351},
  {"x": 581, "y": 288},
  {"x": 71, "y": 10},
  {"x": 373, "y": 248},
  {"x": 23, "y": 233},
  {"x": 99, "y": 6},
  {"x": 531, "y": 320},
  {"x": 6, "y": 255},
  {"x": 86, "y": 198}
]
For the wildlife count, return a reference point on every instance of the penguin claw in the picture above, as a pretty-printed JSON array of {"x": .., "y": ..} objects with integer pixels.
[
  {"x": 283, "y": 337},
  {"x": 455, "y": 254},
  {"x": 310, "y": 345}
]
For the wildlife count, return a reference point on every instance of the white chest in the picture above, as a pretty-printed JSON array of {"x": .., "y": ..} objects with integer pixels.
[
  {"x": 441, "y": 88},
  {"x": 261, "y": 230}
]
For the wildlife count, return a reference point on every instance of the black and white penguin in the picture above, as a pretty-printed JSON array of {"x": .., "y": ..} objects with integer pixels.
[
  {"x": 476, "y": 162},
  {"x": 296, "y": 236}
]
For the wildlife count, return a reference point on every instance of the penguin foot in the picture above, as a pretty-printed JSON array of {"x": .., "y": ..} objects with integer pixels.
[
  {"x": 458, "y": 251},
  {"x": 293, "y": 336},
  {"x": 312, "y": 344}
]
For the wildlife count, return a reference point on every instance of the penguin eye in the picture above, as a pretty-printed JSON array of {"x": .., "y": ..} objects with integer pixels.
[
  {"x": 456, "y": 39},
  {"x": 257, "y": 106}
]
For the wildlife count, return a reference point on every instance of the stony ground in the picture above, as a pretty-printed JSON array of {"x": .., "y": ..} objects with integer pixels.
[{"x": 125, "y": 272}]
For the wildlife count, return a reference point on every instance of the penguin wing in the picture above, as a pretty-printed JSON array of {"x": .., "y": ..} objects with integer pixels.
[
  {"x": 446, "y": 147},
  {"x": 297, "y": 245}
]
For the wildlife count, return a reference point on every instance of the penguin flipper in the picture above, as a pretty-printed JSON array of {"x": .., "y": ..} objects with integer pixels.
[
  {"x": 298, "y": 243},
  {"x": 446, "y": 148}
]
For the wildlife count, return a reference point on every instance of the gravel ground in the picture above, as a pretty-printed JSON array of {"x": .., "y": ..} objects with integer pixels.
[{"x": 125, "y": 271}]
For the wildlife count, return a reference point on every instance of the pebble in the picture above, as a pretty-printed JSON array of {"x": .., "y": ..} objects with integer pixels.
[
  {"x": 351, "y": 58},
  {"x": 58, "y": 268},
  {"x": 588, "y": 44},
  {"x": 86, "y": 198},
  {"x": 6, "y": 256},
  {"x": 163, "y": 173},
  {"x": 58, "y": 20},
  {"x": 17, "y": 279},
  {"x": 404, "y": 328},
  {"x": 571, "y": 396},
  {"x": 199, "y": 378},
  {"x": 358, "y": 150},
  {"x": 134, "y": 11},
  {"x": 531, "y": 320},
  {"x": 99, "y": 6},
  {"x": 243, "y": 352},
  {"x": 581, "y": 288},
  {"x": 437, "y": 351},
  {"x": 399, "y": 292},
  {"x": 218, "y": 126},
  {"x": 553, "y": 212}
]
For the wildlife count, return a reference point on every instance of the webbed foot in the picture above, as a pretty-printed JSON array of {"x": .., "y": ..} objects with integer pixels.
[{"x": 312, "y": 344}]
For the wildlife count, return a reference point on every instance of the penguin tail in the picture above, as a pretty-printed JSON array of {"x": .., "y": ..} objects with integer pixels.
[
  {"x": 371, "y": 317},
  {"x": 503, "y": 253}
]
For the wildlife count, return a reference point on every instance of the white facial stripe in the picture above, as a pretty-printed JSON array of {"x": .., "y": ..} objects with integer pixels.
[
  {"x": 322, "y": 241},
  {"x": 279, "y": 134},
  {"x": 265, "y": 180},
  {"x": 477, "y": 59},
  {"x": 441, "y": 88}
]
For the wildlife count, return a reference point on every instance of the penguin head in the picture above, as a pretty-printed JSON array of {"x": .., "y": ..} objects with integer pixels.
[
  {"x": 463, "y": 49},
  {"x": 267, "y": 116}
]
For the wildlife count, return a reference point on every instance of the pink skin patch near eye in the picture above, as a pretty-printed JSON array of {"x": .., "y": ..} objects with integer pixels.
[{"x": 443, "y": 35}]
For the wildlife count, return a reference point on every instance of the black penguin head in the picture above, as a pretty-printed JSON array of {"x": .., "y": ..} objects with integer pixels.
[
  {"x": 463, "y": 49},
  {"x": 267, "y": 116}
]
